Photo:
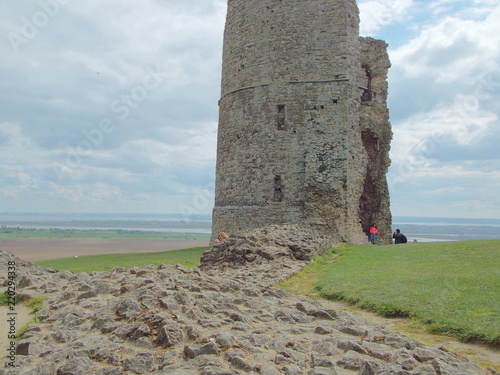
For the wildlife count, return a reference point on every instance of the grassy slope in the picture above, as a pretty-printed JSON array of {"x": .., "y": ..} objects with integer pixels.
[
  {"x": 106, "y": 262},
  {"x": 450, "y": 287}
]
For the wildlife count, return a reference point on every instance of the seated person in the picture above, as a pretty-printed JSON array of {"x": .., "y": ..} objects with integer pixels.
[{"x": 399, "y": 237}]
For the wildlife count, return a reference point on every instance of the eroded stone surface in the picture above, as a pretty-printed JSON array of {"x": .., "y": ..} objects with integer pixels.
[{"x": 223, "y": 318}]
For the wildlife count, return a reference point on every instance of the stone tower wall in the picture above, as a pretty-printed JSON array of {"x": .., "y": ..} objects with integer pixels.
[
  {"x": 376, "y": 135},
  {"x": 290, "y": 149}
]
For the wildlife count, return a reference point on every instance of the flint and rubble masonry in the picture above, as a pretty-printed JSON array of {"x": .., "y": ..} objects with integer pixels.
[{"x": 304, "y": 133}]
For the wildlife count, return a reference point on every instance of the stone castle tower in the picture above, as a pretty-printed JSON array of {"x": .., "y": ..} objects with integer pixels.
[{"x": 304, "y": 131}]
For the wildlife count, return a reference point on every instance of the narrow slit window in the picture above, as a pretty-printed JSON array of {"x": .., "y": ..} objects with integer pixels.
[
  {"x": 367, "y": 93},
  {"x": 281, "y": 117},
  {"x": 278, "y": 192}
]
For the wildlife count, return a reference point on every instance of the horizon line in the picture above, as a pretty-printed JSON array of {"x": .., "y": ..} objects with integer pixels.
[{"x": 178, "y": 214}]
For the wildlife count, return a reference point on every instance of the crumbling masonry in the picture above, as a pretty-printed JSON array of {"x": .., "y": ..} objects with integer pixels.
[{"x": 304, "y": 130}]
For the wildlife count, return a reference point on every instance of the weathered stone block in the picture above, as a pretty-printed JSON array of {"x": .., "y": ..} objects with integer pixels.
[
  {"x": 142, "y": 363},
  {"x": 170, "y": 334},
  {"x": 77, "y": 366}
]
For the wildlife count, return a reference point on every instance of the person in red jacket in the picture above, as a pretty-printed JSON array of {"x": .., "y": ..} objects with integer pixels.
[{"x": 373, "y": 234}]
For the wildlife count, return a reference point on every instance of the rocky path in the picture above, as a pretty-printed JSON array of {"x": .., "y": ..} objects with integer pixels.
[{"x": 223, "y": 318}]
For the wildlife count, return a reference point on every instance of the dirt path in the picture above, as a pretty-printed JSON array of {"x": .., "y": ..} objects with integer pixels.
[
  {"x": 486, "y": 356},
  {"x": 33, "y": 249},
  {"x": 15, "y": 319}
]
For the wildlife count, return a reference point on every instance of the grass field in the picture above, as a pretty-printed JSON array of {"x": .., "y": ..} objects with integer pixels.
[
  {"x": 93, "y": 233},
  {"x": 450, "y": 288},
  {"x": 106, "y": 262}
]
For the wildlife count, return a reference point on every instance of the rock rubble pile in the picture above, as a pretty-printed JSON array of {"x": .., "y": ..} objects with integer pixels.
[{"x": 222, "y": 318}]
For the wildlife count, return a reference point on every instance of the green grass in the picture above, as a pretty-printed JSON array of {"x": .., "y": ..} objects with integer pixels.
[
  {"x": 450, "y": 288},
  {"x": 93, "y": 233},
  {"x": 4, "y": 298},
  {"x": 35, "y": 304},
  {"x": 106, "y": 262}
]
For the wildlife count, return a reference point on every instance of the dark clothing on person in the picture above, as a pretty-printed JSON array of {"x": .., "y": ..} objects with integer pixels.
[{"x": 399, "y": 237}]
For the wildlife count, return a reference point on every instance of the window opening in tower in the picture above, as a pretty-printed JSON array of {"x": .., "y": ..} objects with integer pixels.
[
  {"x": 367, "y": 93},
  {"x": 281, "y": 117},
  {"x": 278, "y": 193}
]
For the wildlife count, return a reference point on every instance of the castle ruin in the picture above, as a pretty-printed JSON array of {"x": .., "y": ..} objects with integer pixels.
[{"x": 304, "y": 132}]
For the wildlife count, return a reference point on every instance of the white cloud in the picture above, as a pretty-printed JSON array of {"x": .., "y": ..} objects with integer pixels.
[
  {"x": 375, "y": 14},
  {"x": 419, "y": 141},
  {"x": 132, "y": 68},
  {"x": 446, "y": 190},
  {"x": 453, "y": 49},
  {"x": 18, "y": 149},
  {"x": 443, "y": 189},
  {"x": 91, "y": 63},
  {"x": 446, "y": 83},
  {"x": 463, "y": 122}
]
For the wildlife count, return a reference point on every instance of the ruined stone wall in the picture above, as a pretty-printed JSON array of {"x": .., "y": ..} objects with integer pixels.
[
  {"x": 376, "y": 136},
  {"x": 290, "y": 147}
]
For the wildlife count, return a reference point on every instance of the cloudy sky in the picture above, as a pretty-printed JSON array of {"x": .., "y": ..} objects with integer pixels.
[{"x": 111, "y": 105}]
